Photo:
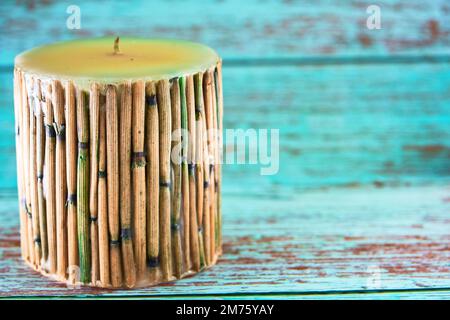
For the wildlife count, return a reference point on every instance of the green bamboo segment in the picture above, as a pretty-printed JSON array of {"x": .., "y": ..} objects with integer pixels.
[
  {"x": 176, "y": 176},
  {"x": 94, "y": 113},
  {"x": 33, "y": 175},
  {"x": 138, "y": 177},
  {"x": 103, "y": 226},
  {"x": 152, "y": 175},
  {"x": 71, "y": 156},
  {"x": 40, "y": 145},
  {"x": 84, "y": 251},
  {"x": 27, "y": 166},
  {"x": 193, "y": 218},
  {"x": 61, "y": 182},
  {"x": 165, "y": 123},
  {"x": 125, "y": 115},
  {"x": 19, "y": 146},
  {"x": 199, "y": 163},
  {"x": 112, "y": 171},
  {"x": 185, "y": 177},
  {"x": 215, "y": 166},
  {"x": 49, "y": 175},
  {"x": 219, "y": 95}
]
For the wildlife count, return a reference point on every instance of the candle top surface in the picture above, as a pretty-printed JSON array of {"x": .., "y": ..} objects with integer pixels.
[{"x": 111, "y": 60}]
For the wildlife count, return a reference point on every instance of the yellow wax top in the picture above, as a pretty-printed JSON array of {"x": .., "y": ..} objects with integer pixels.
[{"x": 106, "y": 60}]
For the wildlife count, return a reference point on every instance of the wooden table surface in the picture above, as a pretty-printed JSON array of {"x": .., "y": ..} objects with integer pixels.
[{"x": 360, "y": 206}]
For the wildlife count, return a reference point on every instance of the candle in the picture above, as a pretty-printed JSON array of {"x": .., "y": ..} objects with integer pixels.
[{"x": 98, "y": 123}]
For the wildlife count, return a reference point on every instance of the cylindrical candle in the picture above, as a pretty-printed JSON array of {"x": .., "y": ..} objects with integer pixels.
[{"x": 118, "y": 146}]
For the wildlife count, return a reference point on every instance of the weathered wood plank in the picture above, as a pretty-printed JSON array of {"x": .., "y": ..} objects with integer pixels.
[
  {"x": 339, "y": 125},
  {"x": 314, "y": 241},
  {"x": 239, "y": 28}
]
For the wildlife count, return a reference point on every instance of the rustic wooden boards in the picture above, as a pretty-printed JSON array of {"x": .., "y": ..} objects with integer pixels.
[
  {"x": 312, "y": 243},
  {"x": 249, "y": 28}
]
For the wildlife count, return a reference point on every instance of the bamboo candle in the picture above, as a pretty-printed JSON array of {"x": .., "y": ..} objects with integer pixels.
[{"x": 118, "y": 179}]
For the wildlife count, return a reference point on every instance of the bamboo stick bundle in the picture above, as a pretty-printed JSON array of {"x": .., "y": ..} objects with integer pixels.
[
  {"x": 103, "y": 226},
  {"x": 27, "y": 170},
  {"x": 119, "y": 179},
  {"x": 84, "y": 252},
  {"x": 209, "y": 155},
  {"x": 125, "y": 114},
  {"x": 176, "y": 177},
  {"x": 94, "y": 113},
  {"x": 71, "y": 156},
  {"x": 185, "y": 177},
  {"x": 193, "y": 218},
  {"x": 61, "y": 182},
  {"x": 165, "y": 123},
  {"x": 112, "y": 172},
  {"x": 19, "y": 147},
  {"x": 219, "y": 95},
  {"x": 50, "y": 188},
  {"x": 199, "y": 167},
  {"x": 40, "y": 156},
  {"x": 152, "y": 176},
  {"x": 34, "y": 181},
  {"x": 138, "y": 176}
]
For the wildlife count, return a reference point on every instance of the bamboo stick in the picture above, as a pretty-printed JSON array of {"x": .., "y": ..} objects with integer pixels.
[
  {"x": 138, "y": 176},
  {"x": 215, "y": 167},
  {"x": 83, "y": 187},
  {"x": 71, "y": 156},
  {"x": 50, "y": 189},
  {"x": 152, "y": 175},
  {"x": 19, "y": 147},
  {"x": 219, "y": 95},
  {"x": 209, "y": 165},
  {"x": 27, "y": 167},
  {"x": 112, "y": 163},
  {"x": 164, "y": 112},
  {"x": 103, "y": 226},
  {"x": 185, "y": 177},
  {"x": 129, "y": 267},
  {"x": 61, "y": 182},
  {"x": 40, "y": 157},
  {"x": 176, "y": 174},
  {"x": 34, "y": 180},
  {"x": 199, "y": 171},
  {"x": 193, "y": 218},
  {"x": 94, "y": 111}
]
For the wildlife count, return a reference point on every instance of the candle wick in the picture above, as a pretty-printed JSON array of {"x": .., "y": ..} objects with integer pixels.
[{"x": 116, "y": 46}]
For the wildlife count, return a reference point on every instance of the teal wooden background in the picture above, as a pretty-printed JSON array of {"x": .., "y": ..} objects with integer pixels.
[{"x": 364, "y": 119}]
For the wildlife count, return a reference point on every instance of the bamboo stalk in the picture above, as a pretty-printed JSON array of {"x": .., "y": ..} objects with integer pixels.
[
  {"x": 164, "y": 112},
  {"x": 61, "y": 182},
  {"x": 185, "y": 176},
  {"x": 83, "y": 187},
  {"x": 50, "y": 189},
  {"x": 209, "y": 165},
  {"x": 40, "y": 157},
  {"x": 94, "y": 111},
  {"x": 71, "y": 155},
  {"x": 27, "y": 169},
  {"x": 112, "y": 163},
  {"x": 200, "y": 175},
  {"x": 176, "y": 174},
  {"x": 103, "y": 227},
  {"x": 219, "y": 95},
  {"x": 18, "y": 111},
  {"x": 129, "y": 267},
  {"x": 34, "y": 177},
  {"x": 152, "y": 175},
  {"x": 215, "y": 167},
  {"x": 193, "y": 218}
]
